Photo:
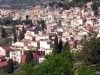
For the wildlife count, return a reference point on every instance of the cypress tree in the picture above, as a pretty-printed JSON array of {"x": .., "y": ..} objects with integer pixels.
[
  {"x": 14, "y": 34},
  {"x": 55, "y": 47},
  {"x": 27, "y": 17},
  {"x": 15, "y": 37},
  {"x": 21, "y": 36},
  {"x": 60, "y": 46},
  {"x": 29, "y": 56},
  {"x": 43, "y": 25},
  {"x": 23, "y": 30}
]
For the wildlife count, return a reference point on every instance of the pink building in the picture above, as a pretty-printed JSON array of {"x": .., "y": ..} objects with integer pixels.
[{"x": 36, "y": 56}]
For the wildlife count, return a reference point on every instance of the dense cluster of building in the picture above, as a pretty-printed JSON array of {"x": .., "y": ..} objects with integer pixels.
[{"x": 69, "y": 25}]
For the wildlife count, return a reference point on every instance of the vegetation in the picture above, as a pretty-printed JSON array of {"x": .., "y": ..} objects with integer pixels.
[
  {"x": 29, "y": 56},
  {"x": 27, "y": 22},
  {"x": 91, "y": 50},
  {"x": 41, "y": 25},
  {"x": 55, "y": 47},
  {"x": 66, "y": 46},
  {"x": 3, "y": 33},
  {"x": 60, "y": 46},
  {"x": 10, "y": 67},
  {"x": 77, "y": 56},
  {"x": 23, "y": 30},
  {"x": 21, "y": 36},
  {"x": 14, "y": 34},
  {"x": 55, "y": 64},
  {"x": 26, "y": 69},
  {"x": 5, "y": 41},
  {"x": 58, "y": 64},
  {"x": 86, "y": 70}
]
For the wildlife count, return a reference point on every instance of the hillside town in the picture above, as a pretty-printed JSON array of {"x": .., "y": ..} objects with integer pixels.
[{"x": 38, "y": 35}]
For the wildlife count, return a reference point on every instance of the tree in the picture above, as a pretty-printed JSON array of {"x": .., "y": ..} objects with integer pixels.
[
  {"x": 60, "y": 46},
  {"x": 26, "y": 69},
  {"x": 56, "y": 64},
  {"x": 91, "y": 50},
  {"x": 27, "y": 22},
  {"x": 21, "y": 36},
  {"x": 27, "y": 17},
  {"x": 10, "y": 66},
  {"x": 59, "y": 23},
  {"x": 66, "y": 46},
  {"x": 86, "y": 70},
  {"x": 55, "y": 47},
  {"x": 5, "y": 41},
  {"x": 15, "y": 37},
  {"x": 14, "y": 34},
  {"x": 29, "y": 56},
  {"x": 23, "y": 30},
  {"x": 95, "y": 9},
  {"x": 3, "y": 33},
  {"x": 41, "y": 25}
]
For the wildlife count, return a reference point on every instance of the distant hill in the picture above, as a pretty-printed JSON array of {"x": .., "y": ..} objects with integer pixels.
[
  {"x": 17, "y": 3},
  {"x": 21, "y": 3}
]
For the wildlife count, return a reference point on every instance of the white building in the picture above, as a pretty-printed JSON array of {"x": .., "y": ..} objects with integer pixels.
[{"x": 16, "y": 55}]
